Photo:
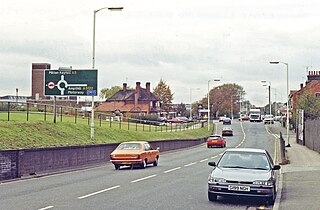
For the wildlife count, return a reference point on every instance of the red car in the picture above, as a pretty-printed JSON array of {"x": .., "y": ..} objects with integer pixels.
[
  {"x": 178, "y": 120},
  {"x": 216, "y": 141}
]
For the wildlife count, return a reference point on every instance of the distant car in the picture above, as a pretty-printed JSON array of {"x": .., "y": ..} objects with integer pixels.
[
  {"x": 216, "y": 141},
  {"x": 227, "y": 131},
  {"x": 226, "y": 121},
  {"x": 277, "y": 118},
  {"x": 244, "y": 118},
  {"x": 243, "y": 172},
  {"x": 178, "y": 120},
  {"x": 221, "y": 118},
  {"x": 139, "y": 153},
  {"x": 268, "y": 119}
]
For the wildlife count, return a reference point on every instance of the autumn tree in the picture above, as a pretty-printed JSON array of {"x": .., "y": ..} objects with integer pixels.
[
  {"x": 106, "y": 93},
  {"x": 163, "y": 93},
  {"x": 224, "y": 98}
]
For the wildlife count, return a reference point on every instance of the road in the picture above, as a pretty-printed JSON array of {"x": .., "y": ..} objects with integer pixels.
[{"x": 178, "y": 182}]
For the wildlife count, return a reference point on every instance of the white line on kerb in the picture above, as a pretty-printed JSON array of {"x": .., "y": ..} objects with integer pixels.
[
  {"x": 190, "y": 164},
  {"x": 172, "y": 170},
  {"x": 147, "y": 177},
  {"x": 48, "y": 207},
  {"x": 98, "y": 192},
  {"x": 203, "y": 160}
]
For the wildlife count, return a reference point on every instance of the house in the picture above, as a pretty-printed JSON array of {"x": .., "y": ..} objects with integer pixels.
[
  {"x": 139, "y": 100},
  {"x": 312, "y": 85}
]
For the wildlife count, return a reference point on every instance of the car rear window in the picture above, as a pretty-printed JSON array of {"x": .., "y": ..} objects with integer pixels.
[{"x": 129, "y": 146}]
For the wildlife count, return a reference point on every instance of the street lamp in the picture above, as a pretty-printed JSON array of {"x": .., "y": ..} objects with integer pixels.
[
  {"x": 287, "y": 65},
  {"x": 269, "y": 89},
  {"x": 93, "y": 59},
  {"x": 191, "y": 100},
  {"x": 215, "y": 80}
]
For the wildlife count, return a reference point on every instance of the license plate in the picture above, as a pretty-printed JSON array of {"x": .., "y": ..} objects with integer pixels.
[
  {"x": 239, "y": 188},
  {"x": 214, "y": 141}
]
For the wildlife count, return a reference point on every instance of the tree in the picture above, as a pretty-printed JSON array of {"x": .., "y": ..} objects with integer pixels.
[
  {"x": 224, "y": 98},
  {"x": 310, "y": 104},
  {"x": 106, "y": 93},
  {"x": 182, "y": 110},
  {"x": 163, "y": 93}
]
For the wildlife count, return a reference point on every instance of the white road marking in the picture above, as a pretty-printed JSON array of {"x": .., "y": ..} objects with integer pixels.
[
  {"x": 172, "y": 170},
  {"x": 48, "y": 207},
  {"x": 203, "y": 160},
  {"x": 144, "y": 178},
  {"x": 98, "y": 192},
  {"x": 190, "y": 164}
]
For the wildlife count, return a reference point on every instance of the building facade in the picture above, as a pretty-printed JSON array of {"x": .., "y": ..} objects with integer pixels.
[{"x": 139, "y": 100}]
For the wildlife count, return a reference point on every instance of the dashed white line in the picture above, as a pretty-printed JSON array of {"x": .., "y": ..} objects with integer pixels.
[
  {"x": 144, "y": 178},
  {"x": 190, "y": 164},
  {"x": 203, "y": 160},
  {"x": 172, "y": 170},
  {"x": 98, "y": 192},
  {"x": 48, "y": 207}
]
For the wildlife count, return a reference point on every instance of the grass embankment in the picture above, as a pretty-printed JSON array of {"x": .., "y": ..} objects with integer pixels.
[{"x": 16, "y": 134}]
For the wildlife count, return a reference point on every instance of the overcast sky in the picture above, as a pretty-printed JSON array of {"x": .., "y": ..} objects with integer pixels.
[{"x": 184, "y": 42}]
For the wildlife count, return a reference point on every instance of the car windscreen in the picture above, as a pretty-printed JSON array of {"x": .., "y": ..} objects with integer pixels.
[
  {"x": 247, "y": 160},
  {"x": 129, "y": 146},
  {"x": 214, "y": 138}
]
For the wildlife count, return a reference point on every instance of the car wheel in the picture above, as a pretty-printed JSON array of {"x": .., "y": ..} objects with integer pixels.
[
  {"x": 144, "y": 164},
  {"x": 117, "y": 166},
  {"x": 212, "y": 197},
  {"x": 155, "y": 163}
]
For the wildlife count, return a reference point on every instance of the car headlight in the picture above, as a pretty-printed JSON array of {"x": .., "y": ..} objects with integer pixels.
[
  {"x": 216, "y": 179},
  {"x": 261, "y": 182}
]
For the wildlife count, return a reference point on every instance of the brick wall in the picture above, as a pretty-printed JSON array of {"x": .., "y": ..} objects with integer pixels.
[{"x": 37, "y": 82}]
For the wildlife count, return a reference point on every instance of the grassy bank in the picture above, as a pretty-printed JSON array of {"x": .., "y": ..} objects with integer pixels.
[{"x": 33, "y": 134}]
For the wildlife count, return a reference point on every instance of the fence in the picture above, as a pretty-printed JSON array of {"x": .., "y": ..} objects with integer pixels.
[
  {"x": 34, "y": 112},
  {"x": 312, "y": 134}
]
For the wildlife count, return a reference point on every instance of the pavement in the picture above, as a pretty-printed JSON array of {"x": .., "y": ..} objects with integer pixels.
[{"x": 299, "y": 181}]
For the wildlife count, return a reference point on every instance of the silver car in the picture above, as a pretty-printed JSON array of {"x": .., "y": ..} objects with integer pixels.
[{"x": 243, "y": 172}]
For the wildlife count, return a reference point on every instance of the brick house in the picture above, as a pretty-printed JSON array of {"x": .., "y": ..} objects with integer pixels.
[
  {"x": 312, "y": 85},
  {"x": 125, "y": 101}
]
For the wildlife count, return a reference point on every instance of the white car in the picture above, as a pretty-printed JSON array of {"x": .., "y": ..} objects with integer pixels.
[{"x": 268, "y": 119}]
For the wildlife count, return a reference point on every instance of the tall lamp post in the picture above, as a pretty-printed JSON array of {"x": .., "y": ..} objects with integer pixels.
[
  {"x": 93, "y": 59},
  {"x": 287, "y": 65},
  {"x": 269, "y": 91},
  {"x": 215, "y": 80},
  {"x": 191, "y": 100}
]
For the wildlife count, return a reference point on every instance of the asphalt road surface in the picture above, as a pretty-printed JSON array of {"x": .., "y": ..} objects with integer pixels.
[{"x": 178, "y": 182}]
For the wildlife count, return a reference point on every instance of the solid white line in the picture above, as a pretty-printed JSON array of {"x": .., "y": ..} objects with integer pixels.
[
  {"x": 172, "y": 170},
  {"x": 190, "y": 164},
  {"x": 48, "y": 207},
  {"x": 98, "y": 192},
  {"x": 203, "y": 160},
  {"x": 144, "y": 178}
]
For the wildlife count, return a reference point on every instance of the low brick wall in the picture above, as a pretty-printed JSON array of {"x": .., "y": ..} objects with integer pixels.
[{"x": 28, "y": 162}]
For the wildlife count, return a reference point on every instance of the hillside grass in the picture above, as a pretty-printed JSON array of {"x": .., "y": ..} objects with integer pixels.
[{"x": 36, "y": 133}]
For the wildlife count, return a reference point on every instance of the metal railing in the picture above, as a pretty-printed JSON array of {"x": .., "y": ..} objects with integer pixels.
[{"x": 15, "y": 111}]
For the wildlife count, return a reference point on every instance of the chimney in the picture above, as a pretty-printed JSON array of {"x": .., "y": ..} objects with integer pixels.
[
  {"x": 148, "y": 88},
  {"x": 124, "y": 87},
  {"x": 301, "y": 86},
  {"x": 137, "y": 94}
]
